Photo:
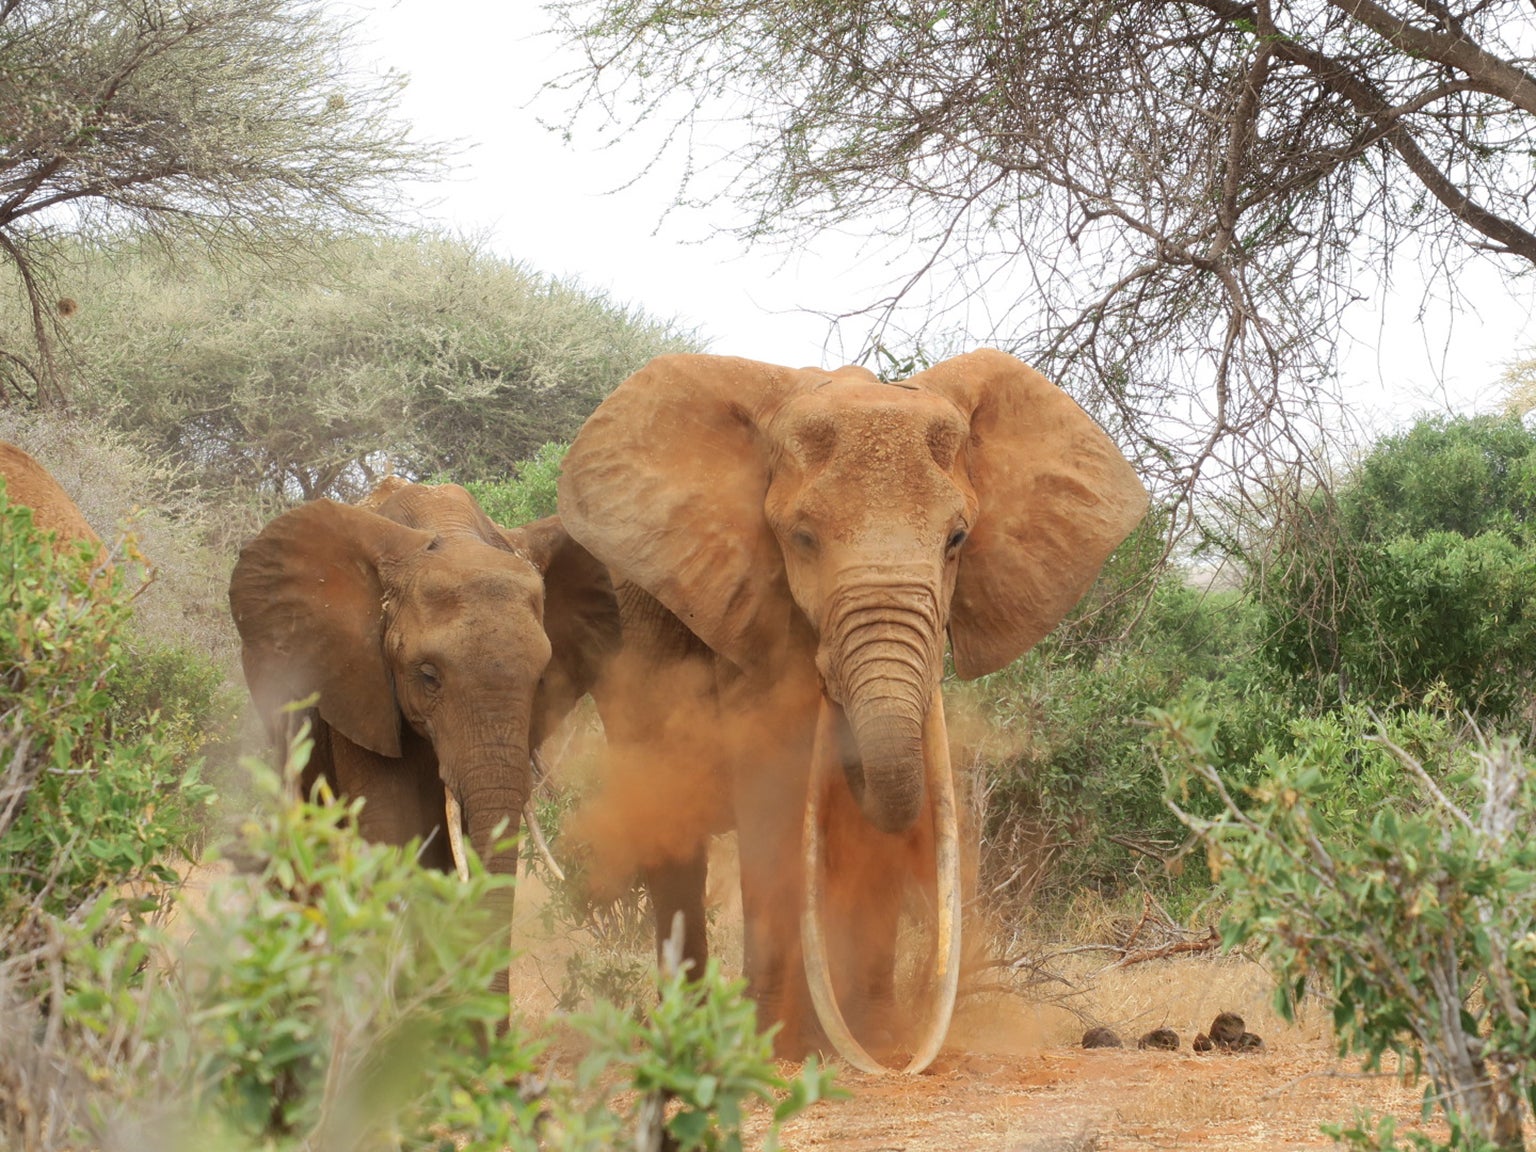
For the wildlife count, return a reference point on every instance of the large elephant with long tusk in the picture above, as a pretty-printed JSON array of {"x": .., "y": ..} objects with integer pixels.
[
  {"x": 790, "y": 548},
  {"x": 443, "y": 648}
]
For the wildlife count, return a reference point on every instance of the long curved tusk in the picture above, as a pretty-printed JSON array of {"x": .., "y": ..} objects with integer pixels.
[
  {"x": 946, "y": 829},
  {"x": 941, "y": 790},
  {"x": 542, "y": 844},
  {"x": 455, "y": 816}
]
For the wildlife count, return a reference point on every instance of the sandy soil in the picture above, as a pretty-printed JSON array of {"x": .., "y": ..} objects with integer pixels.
[
  {"x": 1014, "y": 1077},
  {"x": 1060, "y": 1098}
]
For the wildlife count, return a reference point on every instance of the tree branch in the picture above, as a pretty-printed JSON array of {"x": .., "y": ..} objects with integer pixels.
[{"x": 1486, "y": 72}]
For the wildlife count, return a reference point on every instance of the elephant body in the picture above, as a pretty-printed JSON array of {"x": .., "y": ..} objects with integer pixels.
[
  {"x": 30, "y": 484},
  {"x": 792, "y": 548},
  {"x": 443, "y": 649}
]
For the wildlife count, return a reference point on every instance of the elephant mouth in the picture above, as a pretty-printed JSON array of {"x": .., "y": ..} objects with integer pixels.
[{"x": 940, "y": 790}]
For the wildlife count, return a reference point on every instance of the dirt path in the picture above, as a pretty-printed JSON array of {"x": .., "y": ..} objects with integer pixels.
[
  {"x": 1066, "y": 1100},
  {"x": 1016, "y": 1081}
]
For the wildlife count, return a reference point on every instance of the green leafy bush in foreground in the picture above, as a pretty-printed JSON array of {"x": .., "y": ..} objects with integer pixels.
[
  {"x": 334, "y": 994},
  {"x": 94, "y": 792},
  {"x": 1406, "y": 896},
  {"x": 340, "y": 998}
]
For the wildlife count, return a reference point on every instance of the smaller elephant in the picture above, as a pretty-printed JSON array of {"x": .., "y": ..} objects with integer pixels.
[
  {"x": 443, "y": 649},
  {"x": 29, "y": 484}
]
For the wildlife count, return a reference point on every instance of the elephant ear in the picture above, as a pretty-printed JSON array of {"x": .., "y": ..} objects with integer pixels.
[
  {"x": 581, "y": 619},
  {"x": 1056, "y": 498},
  {"x": 665, "y": 484},
  {"x": 308, "y": 600}
]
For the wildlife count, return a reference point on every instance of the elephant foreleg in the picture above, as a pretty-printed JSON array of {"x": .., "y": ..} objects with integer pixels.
[
  {"x": 768, "y": 833},
  {"x": 678, "y": 887}
]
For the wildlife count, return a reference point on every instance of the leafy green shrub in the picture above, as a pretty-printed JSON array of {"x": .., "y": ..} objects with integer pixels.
[
  {"x": 1070, "y": 784},
  {"x": 1416, "y": 577},
  {"x": 93, "y": 793},
  {"x": 1406, "y": 897},
  {"x": 530, "y": 495},
  {"x": 339, "y": 997},
  {"x": 699, "y": 1051}
]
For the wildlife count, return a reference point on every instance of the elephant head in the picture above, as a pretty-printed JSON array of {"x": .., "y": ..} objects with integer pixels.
[
  {"x": 975, "y": 499},
  {"x": 430, "y": 634}
]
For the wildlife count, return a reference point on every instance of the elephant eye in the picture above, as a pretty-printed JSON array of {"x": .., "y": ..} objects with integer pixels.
[
  {"x": 803, "y": 539},
  {"x": 429, "y": 676},
  {"x": 956, "y": 538}
]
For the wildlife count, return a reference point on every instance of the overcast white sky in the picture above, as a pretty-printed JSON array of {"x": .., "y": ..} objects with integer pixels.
[{"x": 475, "y": 69}]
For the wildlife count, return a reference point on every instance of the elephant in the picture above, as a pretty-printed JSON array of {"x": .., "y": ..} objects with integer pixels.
[
  {"x": 795, "y": 545},
  {"x": 443, "y": 649},
  {"x": 28, "y": 483}
]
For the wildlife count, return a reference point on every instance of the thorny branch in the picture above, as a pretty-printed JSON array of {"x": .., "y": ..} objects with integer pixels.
[{"x": 1170, "y": 208}]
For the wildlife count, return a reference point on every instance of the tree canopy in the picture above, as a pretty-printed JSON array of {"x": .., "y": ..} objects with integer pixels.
[
  {"x": 240, "y": 121},
  {"x": 1169, "y": 205},
  {"x": 425, "y": 354}
]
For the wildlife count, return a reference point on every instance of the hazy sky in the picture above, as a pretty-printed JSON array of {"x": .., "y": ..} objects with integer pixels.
[{"x": 562, "y": 208}]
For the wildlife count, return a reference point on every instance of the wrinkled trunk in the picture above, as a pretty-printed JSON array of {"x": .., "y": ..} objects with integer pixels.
[
  {"x": 491, "y": 782},
  {"x": 882, "y": 658},
  {"x": 889, "y": 657},
  {"x": 890, "y": 745}
]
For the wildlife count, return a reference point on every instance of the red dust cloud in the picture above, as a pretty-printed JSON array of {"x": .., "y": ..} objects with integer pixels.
[{"x": 668, "y": 780}]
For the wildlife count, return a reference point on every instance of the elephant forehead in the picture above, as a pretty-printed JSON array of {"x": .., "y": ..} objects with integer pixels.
[
  {"x": 898, "y": 442},
  {"x": 485, "y": 590},
  {"x": 858, "y": 409}
]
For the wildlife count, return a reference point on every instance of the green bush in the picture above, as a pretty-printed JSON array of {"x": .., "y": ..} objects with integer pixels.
[
  {"x": 1396, "y": 876},
  {"x": 1066, "y": 766},
  {"x": 700, "y": 1050},
  {"x": 339, "y": 997},
  {"x": 529, "y": 495},
  {"x": 1417, "y": 577},
  {"x": 94, "y": 792}
]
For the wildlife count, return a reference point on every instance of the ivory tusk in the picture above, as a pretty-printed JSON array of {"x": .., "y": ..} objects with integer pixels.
[
  {"x": 455, "y": 816},
  {"x": 941, "y": 792},
  {"x": 542, "y": 844},
  {"x": 946, "y": 835}
]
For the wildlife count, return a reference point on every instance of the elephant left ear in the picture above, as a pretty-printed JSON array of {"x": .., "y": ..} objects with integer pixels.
[
  {"x": 1056, "y": 498},
  {"x": 581, "y": 619}
]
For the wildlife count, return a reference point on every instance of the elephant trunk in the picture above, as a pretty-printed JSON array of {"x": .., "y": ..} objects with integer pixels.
[
  {"x": 493, "y": 793},
  {"x": 891, "y": 747},
  {"x": 490, "y": 795},
  {"x": 890, "y": 658}
]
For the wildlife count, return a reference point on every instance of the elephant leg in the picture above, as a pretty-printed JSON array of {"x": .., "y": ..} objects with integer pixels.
[
  {"x": 678, "y": 887},
  {"x": 770, "y": 811}
]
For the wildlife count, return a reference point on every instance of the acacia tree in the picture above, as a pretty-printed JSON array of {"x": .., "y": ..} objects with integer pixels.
[
  {"x": 422, "y": 353},
  {"x": 1180, "y": 199},
  {"x": 240, "y": 121}
]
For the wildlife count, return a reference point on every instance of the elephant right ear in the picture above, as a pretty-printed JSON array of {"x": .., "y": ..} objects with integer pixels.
[
  {"x": 665, "y": 484},
  {"x": 308, "y": 600}
]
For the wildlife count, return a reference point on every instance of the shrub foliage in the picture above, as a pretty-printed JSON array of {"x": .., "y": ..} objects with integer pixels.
[{"x": 94, "y": 791}]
